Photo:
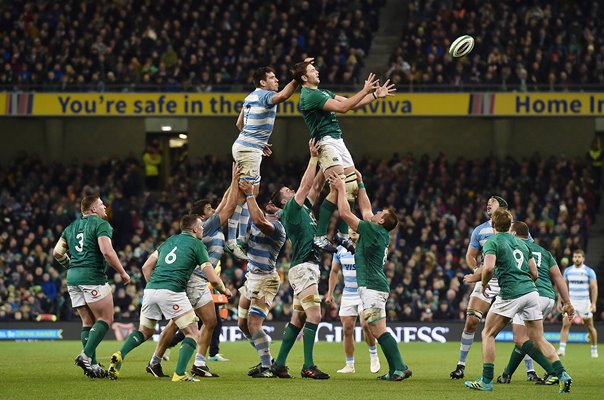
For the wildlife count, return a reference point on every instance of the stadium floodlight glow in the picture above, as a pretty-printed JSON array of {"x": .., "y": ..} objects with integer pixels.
[
  {"x": 183, "y": 136},
  {"x": 166, "y": 128}
]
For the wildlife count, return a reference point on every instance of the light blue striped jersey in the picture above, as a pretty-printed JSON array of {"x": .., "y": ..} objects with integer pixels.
[
  {"x": 213, "y": 238},
  {"x": 578, "y": 279},
  {"x": 349, "y": 272},
  {"x": 262, "y": 250},
  {"x": 259, "y": 115},
  {"x": 481, "y": 234}
]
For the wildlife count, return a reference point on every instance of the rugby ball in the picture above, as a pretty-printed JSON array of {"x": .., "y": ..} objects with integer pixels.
[{"x": 461, "y": 46}]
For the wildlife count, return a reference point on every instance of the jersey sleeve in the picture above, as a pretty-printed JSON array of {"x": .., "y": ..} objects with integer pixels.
[
  {"x": 279, "y": 231},
  {"x": 551, "y": 261},
  {"x": 490, "y": 247},
  {"x": 336, "y": 257},
  {"x": 591, "y": 275},
  {"x": 474, "y": 242},
  {"x": 363, "y": 227},
  {"x": 211, "y": 224},
  {"x": 565, "y": 273},
  {"x": 291, "y": 212},
  {"x": 104, "y": 229},
  {"x": 315, "y": 100},
  {"x": 266, "y": 98}
]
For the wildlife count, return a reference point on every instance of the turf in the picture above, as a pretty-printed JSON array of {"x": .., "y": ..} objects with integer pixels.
[{"x": 45, "y": 370}]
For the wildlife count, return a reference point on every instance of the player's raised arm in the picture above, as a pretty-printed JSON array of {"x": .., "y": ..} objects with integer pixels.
[
  {"x": 112, "y": 259},
  {"x": 363, "y": 199},
  {"x": 343, "y": 207},
  {"x": 343, "y": 105},
  {"x": 256, "y": 214},
  {"x": 317, "y": 187},
  {"x": 149, "y": 265},
  {"x": 309, "y": 175},
  {"x": 387, "y": 89},
  {"x": 229, "y": 201}
]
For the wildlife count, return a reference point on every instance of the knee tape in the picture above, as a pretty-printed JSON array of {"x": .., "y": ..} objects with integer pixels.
[
  {"x": 260, "y": 311},
  {"x": 148, "y": 323},
  {"x": 312, "y": 300},
  {"x": 185, "y": 320},
  {"x": 351, "y": 185},
  {"x": 473, "y": 312},
  {"x": 297, "y": 306},
  {"x": 373, "y": 315},
  {"x": 242, "y": 313}
]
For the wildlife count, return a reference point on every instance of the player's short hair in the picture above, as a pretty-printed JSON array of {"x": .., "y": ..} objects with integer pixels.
[
  {"x": 521, "y": 229},
  {"x": 187, "y": 222},
  {"x": 88, "y": 201},
  {"x": 579, "y": 251},
  {"x": 390, "y": 220},
  {"x": 298, "y": 70},
  {"x": 260, "y": 75},
  {"x": 199, "y": 206},
  {"x": 502, "y": 220},
  {"x": 276, "y": 197}
]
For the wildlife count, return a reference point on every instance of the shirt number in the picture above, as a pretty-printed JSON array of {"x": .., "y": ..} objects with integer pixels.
[
  {"x": 537, "y": 258},
  {"x": 80, "y": 246},
  {"x": 519, "y": 258},
  {"x": 171, "y": 256}
]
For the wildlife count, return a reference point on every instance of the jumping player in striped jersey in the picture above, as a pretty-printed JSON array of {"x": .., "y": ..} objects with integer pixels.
[
  {"x": 583, "y": 290},
  {"x": 255, "y": 123},
  {"x": 351, "y": 306},
  {"x": 479, "y": 303},
  {"x": 265, "y": 240}
]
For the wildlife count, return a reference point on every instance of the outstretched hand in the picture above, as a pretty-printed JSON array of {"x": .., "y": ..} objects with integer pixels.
[
  {"x": 314, "y": 147},
  {"x": 385, "y": 90},
  {"x": 371, "y": 83}
]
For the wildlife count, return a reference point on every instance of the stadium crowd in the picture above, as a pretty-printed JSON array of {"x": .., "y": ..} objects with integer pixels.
[
  {"x": 178, "y": 45},
  {"x": 438, "y": 201},
  {"x": 520, "y": 45}
]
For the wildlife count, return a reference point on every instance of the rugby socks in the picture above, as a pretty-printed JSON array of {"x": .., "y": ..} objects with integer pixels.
[
  {"x": 233, "y": 222},
  {"x": 187, "y": 349},
  {"x": 391, "y": 351},
  {"x": 515, "y": 360},
  {"x": 373, "y": 351},
  {"x": 310, "y": 333},
  {"x": 327, "y": 209},
  {"x": 558, "y": 368},
  {"x": 84, "y": 338},
  {"x": 155, "y": 360},
  {"x": 466, "y": 343},
  {"x": 134, "y": 340},
  {"x": 244, "y": 220},
  {"x": 289, "y": 338},
  {"x": 262, "y": 343},
  {"x": 562, "y": 347},
  {"x": 96, "y": 335},
  {"x": 529, "y": 348},
  {"x": 488, "y": 370},
  {"x": 528, "y": 363},
  {"x": 594, "y": 349},
  {"x": 350, "y": 361},
  {"x": 200, "y": 360}
]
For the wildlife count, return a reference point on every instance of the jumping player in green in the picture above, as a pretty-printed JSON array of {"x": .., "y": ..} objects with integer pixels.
[
  {"x": 167, "y": 272},
  {"x": 319, "y": 108},
  {"x": 513, "y": 263},
  {"x": 548, "y": 273},
  {"x": 85, "y": 249},
  {"x": 303, "y": 275},
  {"x": 370, "y": 256}
]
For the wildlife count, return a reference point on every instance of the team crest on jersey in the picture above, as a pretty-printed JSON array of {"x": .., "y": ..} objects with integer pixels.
[
  {"x": 94, "y": 293},
  {"x": 176, "y": 307}
]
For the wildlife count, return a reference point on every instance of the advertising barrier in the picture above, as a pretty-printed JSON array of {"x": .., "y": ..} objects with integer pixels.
[
  {"x": 529, "y": 104},
  {"x": 429, "y": 332}
]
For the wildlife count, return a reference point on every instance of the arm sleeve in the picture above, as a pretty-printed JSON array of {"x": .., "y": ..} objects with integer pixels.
[
  {"x": 266, "y": 98},
  {"x": 551, "y": 261},
  {"x": 104, "y": 229},
  {"x": 279, "y": 232},
  {"x": 474, "y": 243},
  {"x": 336, "y": 257},
  {"x": 291, "y": 212},
  {"x": 565, "y": 274},
  {"x": 490, "y": 248},
  {"x": 211, "y": 224},
  {"x": 591, "y": 274},
  {"x": 363, "y": 226}
]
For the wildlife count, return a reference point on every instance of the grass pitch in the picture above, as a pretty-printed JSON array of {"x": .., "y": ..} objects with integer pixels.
[{"x": 45, "y": 370}]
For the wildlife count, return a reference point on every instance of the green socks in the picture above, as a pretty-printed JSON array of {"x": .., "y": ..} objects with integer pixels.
[
  {"x": 84, "y": 338},
  {"x": 529, "y": 348},
  {"x": 133, "y": 340},
  {"x": 95, "y": 336},
  {"x": 310, "y": 332},
  {"x": 515, "y": 359},
  {"x": 558, "y": 368},
  {"x": 488, "y": 370},
  {"x": 289, "y": 338},
  {"x": 327, "y": 209},
  {"x": 187, "y": 349},
  {"x": 393, "y": 355}
]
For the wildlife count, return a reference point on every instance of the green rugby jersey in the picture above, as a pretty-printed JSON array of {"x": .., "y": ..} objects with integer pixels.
[
  {"x": 545, "y": 261},
  {"x": 511, "y": 266},
  {"x": 370, "y": 256},
  {"x": 301, "y": 227},
  {"x": 87, "y": 265},
  {"x": 321, "y": 123},
  {"x": 177, "y": 258}
]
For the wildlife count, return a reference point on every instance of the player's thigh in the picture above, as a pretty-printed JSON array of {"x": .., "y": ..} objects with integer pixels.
[
  {"x": 520, "y": 332},
  {"x": 86, "y": 315},
  {"x": 207, "y": 314},
  {"x": 348, "y": 323},
  {"x": 199, "y": 295},
  {"x": 261, "y": 289},
  {"x": 304, "y": 280},
  {"x": 494, "y": 324},
  {"x": 588, "y": 322},
  {"x": 173, "y": 304},
  {"x": 248, "y": 160},
  {"x": 103, "y": 308},
  {"x": 534, "y": 329}
]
